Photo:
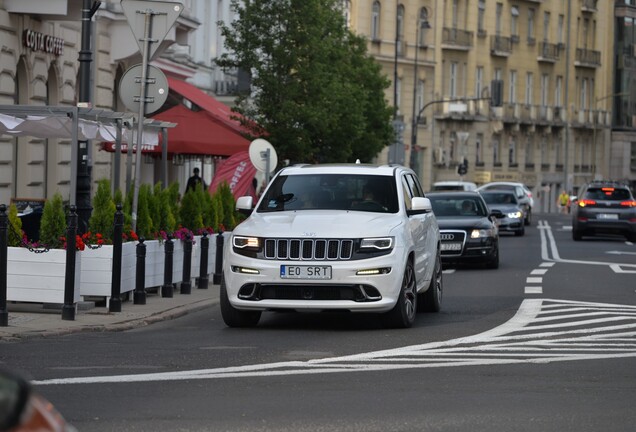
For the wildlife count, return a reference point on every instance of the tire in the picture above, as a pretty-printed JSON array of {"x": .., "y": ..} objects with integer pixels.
[
  {"x": 234, "y": 317},
  {"x": 577, "y": 235},
  {"x": 431, "y": 299},
  {"x": 403, "y": 313},
  {"x": 631, "y": 237},
  {"x": 493, "y": 262}
]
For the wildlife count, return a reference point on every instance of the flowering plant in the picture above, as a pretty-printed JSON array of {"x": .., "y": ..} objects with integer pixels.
[
  {"x": 79, "y": 243},
  {"x": 94, "y": 240},
  {"x": 129, "y": 236},
  {"x": 182, "y": 232}
]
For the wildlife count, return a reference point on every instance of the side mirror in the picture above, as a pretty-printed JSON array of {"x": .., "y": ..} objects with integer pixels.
[
  {"x": 496, "y": 213},
  {"x": 244, "y": 205},
  {"x": 14, "y": 394},
  {"x": 420, "y": 205}
]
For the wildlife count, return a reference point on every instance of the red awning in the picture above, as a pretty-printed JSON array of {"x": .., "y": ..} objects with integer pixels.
[{"x": 208, "y": 131}]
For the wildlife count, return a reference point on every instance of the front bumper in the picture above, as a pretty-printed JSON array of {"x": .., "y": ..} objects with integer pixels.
[
  {"x": 263, "y": 288},
  {"x": 511, "y": 224}
]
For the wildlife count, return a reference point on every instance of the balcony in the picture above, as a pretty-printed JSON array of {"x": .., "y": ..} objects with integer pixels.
[
  {"x": 589, "y": 5},
  {"x": 548, "y": 52},
  {"x": 456, "y": 39},
  {"x": 587, "y": 58},
  {"x": 500, "y": 46}
]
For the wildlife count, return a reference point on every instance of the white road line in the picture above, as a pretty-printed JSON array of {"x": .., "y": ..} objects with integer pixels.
[
  {"x": 538, "y": 271},
  {"x": 534, "y": 290},
  {"x": 531, "y": 280},
  {"x": 547, "y": 264},
  {"x": 518, "y": 341}
]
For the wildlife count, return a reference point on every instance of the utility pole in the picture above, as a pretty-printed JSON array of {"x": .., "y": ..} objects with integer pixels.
[{"x": 83, "y": 190}]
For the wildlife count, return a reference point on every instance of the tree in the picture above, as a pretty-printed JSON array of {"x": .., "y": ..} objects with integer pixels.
[
  {"x": 315, "y": 90},
  {"x": 53, "y": 223},
  {"x": 103, "y": 216}
]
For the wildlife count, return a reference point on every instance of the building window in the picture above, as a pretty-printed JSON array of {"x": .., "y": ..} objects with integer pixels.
[
  {"x": 452, "y": 88},
  {"x": 514, "y": 21},
  {"x": 632, "y": 162},
  {"x": 479, "y": 81},
  {"x": 560, "y": 29},
  {"x": 400, "y": 22},
  {"x": 529, "y": 152},
  {"x": 545, "y": 88},
  {"x": 512, "y": 153},
  {"x": 375, "y": 21},
  {"x": 546, "y": 26},
  {"x": 531, "y": 25},
  {"x": 529, "y": 88},
  {"x": 346, "y": 9},
  {"x": 544, "y": 152},
  {"x": 512, "y": 90},
  {"x": 479, "y": 151},
  {"x": 455, "y": 13},
  {"x": 481, "y": 12},
  {"x": 496, "y": 152},
  {"x": 423, "y": 26},
  {"x": 420, "y": 94},
  {"x": 558, "y": 92},
  {"x": 498, "y": 14}
]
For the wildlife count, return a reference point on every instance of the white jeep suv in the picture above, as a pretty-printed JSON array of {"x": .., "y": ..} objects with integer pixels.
[{"x": 351, "y": 237}]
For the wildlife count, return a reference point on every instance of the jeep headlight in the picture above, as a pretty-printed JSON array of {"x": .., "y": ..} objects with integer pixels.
[
  {"x": 246, "y": 243},
  {"x": 377, "y": 243},
  {"x": 515, "y": 215},
  {"x": 482, "y": 233}
]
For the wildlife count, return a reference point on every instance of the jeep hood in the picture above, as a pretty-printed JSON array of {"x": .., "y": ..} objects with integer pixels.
[{"x": 319, "y": 224}]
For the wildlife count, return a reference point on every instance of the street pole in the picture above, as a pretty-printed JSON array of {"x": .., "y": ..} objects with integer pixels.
[
  {"x": 83, "y": 191},
  {"x": 566, "y": 111},
  {"x": 413, "y": 156}
]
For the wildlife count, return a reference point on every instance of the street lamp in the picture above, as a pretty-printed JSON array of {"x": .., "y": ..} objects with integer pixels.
[
  {"x": 596, "y": 101},
  {"x": 422, "y": 22}
]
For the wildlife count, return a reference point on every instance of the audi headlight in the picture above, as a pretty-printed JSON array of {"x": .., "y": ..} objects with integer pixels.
[
  {"x": 515, "y": 215},
  {"x": 482, "y": 233},
  {"x": 378, "y": 243},
  {"x": 246, "y": 243}
]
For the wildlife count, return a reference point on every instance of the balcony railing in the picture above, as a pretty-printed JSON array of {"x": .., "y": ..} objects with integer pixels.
[
  {"x": 587, "y": 58},
  {"x": 548, "y": 52},
  {"x": 454, "y": 38},
  {"x": 500, "y": 46},
  {"x": 589, "y": 5}
]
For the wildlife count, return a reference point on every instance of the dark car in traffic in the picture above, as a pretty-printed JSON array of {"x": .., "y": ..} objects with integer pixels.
[
  {"x": 468, "y": 230},
  {"x": 604, "y": 207},
  {"x": 508, "y": 204}
]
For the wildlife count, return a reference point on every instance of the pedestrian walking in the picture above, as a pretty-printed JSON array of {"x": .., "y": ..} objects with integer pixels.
[
  {"x": 563, "y": 202},
  {"x": 194, "y": 181}
]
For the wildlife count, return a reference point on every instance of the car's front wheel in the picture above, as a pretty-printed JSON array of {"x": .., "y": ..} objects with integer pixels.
[
  {"x": 403, "y": 313},
  {"x": 432, "y": 298},
  {"x": 234, "y": 317}
]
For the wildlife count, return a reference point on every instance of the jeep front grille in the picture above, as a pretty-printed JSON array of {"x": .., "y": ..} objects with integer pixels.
[{"x": 308, "y": 249}]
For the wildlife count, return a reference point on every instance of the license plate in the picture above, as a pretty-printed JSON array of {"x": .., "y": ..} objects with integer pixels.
[
  {"x": 305, "y": 272},
  {"x": 451, "y": 246},
  {"x": 606, "y": 216}
]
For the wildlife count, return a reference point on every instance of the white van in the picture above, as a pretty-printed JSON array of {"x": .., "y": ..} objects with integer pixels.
[{"x": 454, "y": 186}]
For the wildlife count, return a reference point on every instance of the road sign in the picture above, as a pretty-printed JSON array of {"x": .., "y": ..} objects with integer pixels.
[
  {"x": 164, "y": 15},
  {"x": 156, "y": 88}
]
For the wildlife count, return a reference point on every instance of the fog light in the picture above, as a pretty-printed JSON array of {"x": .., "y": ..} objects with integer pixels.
[
  {"x": 246, "y": 270},
  {"x": 375, "y": 271}
]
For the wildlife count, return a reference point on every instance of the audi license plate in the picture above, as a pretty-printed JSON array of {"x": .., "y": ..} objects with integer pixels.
[
  {"x": 305, "y": 272},
  {"x": 606, "y": 216},
  {"x": 451, "y": 246}
]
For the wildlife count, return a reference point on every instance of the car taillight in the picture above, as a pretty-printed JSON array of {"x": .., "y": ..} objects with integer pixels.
[
  {"x": 586, "y": 202},
  {"x": 630, "y": 203}
]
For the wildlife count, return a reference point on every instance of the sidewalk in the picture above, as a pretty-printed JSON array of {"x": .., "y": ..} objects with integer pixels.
[{"x": 27, "y": 320}]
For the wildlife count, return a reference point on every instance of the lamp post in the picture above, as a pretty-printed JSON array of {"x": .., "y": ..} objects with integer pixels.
[
  {"x": 596, "y": 101},
  {"x": 83, "y": 191},
  {"x": 424, "y": 24}
]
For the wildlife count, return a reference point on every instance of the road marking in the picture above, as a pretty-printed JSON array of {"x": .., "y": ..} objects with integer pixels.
[
  {"x": 620, "y": 253},
  {"x": 534, "y": 290},
  {"x": 538, "y": 271},
  {"x": 547, "y": 264},
  {"x": 531, "y": 280},
  {"x": 542, "y": 331}
]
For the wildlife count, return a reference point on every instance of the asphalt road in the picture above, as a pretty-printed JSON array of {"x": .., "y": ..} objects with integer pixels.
[{"x": 545, "y": 343}]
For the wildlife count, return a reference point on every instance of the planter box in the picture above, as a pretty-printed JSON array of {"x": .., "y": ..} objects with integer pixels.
[
  {"x": 97, "y": 270},
  {"x": 155, "y": 263},
  {"x": 40, "y": 277}
]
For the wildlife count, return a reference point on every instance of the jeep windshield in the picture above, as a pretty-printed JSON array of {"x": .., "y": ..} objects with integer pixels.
[{"x": 370, "y": 193}]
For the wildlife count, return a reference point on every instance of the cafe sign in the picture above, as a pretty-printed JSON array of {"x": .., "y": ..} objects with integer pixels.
[{"x": 41, "y": 42}]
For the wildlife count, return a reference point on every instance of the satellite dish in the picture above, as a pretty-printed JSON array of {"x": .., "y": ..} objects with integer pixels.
[{"x": 263, "y": 156}]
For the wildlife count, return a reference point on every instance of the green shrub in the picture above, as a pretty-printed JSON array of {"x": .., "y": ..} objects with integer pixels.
[
  {"x": 229, "y": 206},
  {"x": 217, "y": 211},
  {"x": 174, "y": 201},
  {"x": 191, "y": 214},
  {"x": 102, "y": 218},
  {"x": 15, "y": 233},
  {"x": 144, "y": 219},
  {"x": 53, "y": 223}
]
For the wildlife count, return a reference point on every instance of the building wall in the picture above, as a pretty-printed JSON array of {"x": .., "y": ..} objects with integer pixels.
[{"x": 533, "y": 139}]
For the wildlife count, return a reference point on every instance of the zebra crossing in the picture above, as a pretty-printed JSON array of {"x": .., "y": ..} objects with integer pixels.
[{"x": 542, "y": 331}]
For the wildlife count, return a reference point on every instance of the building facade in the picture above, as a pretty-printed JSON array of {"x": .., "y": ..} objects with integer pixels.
[{"x": 555, "y": 66}]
